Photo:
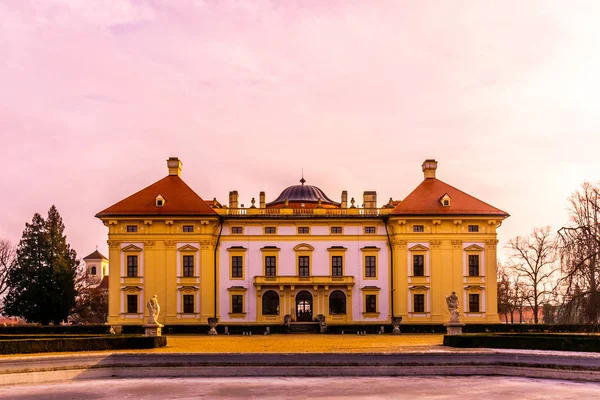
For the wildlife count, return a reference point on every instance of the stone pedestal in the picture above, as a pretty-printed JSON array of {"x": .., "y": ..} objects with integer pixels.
[
  {"x": 116, "y": 329},
  {"x": 153, "y": 329},
  {"x": 322, "y": 323},
  {"x": 396, "y": 324},
  {"x": 453, "y": 328},
  {"x": 212, "y": 324}
]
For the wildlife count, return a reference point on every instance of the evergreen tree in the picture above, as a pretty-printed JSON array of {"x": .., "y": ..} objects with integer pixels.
[{"x": 42, "y": 285}]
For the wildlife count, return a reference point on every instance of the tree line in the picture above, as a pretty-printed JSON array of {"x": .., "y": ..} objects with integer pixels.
[
  {"x": 42, "y": 280},
  {"x": 556, "y": 274}
]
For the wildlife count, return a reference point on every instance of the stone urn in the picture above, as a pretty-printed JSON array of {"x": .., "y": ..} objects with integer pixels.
[
  {"x": 212, "y": 324},
  {"x": 396, "y": 324}
]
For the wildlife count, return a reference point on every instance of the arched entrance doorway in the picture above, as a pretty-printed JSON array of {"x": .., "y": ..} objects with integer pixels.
[{"x": 304, "y": 302}]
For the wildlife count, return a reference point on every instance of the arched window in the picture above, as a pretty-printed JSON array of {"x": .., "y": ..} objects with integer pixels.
[
  {"x": 337, "y": 302},
  {"x": 93, "y": 270},
  {"x": 270, "y": 303}
]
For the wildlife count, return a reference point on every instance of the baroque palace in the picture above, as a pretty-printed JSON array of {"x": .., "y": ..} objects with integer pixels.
[{"x": 301, "y": 255}]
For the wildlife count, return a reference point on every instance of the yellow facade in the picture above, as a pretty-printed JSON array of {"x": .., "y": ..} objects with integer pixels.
[
  {"x": 221, "y": 261},
  {"x": 155, "y": 244}
]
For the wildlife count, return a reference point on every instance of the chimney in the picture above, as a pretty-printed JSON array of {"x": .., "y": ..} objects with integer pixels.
[
  {"x": 370, "y": 199},
  {"x": 233, "y": 199},
  {"x": 174, "y": 166},
  {"x": 261, "y": 199},
  {"x": 344, "y": 199},
  {"x": 429, "y": 167}
]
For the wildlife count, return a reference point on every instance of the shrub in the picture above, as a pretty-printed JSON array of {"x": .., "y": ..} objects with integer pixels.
[
  {"x": 37, "y": 344},
  {"x": 544, "y": 341}
]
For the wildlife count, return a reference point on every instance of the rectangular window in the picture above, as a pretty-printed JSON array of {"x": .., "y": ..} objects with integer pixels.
[
  {"x": 336, "y": 229},
  {"x": 270, "y": 267},
  {"x": 371, "y": 303},
  {"x": 369, "y": 229},
  {"x": 131, "y": 228},
  {"x": 370, "y": 267},
  {"x": 132, "y": 304},
  {"x": 188, "y": 228},
  {"x": 188, "y": 265},
  {"x": 303, "y": 229},
  {"x": 237, "y": 304},
  {"x": 236, "y": 267},
  {"x": 188, "y": 303},
  {"x": 132, "y": 266},
  {"x": 419, "y": 303},
  {"x": 473, "y": 228},
  {"x": 270, "y": 230},
  {"x": 236, "y": 230},
  {"x": 473, "y": 264},
  {"x": 474, "y": 302},
  {"x": 336, "y": 266},
  {"x": 303, "y": 266},
  {"x": 418, "y": 265},
  {"x": 418, "y": 228}
]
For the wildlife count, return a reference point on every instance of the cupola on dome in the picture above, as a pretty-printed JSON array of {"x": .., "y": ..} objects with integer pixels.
[{"x": 302, "y": 195}]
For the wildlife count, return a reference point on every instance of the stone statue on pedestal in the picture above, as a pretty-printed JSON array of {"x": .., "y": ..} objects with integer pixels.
[
  {"x": 153, "y": 310},
  {"x": 452, "y": 302}
]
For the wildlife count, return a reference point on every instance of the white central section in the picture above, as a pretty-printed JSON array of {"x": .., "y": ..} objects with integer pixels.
[{"x": 320, "y": 265}]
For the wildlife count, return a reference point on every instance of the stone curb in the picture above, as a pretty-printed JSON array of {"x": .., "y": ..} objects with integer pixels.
[{"x": 551, "y": 365}]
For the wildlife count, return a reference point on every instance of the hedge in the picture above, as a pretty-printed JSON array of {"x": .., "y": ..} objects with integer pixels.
[
  {"x": 38, "y": 344},
  {"x": 545, "y": 341},
  {"x": 33, "y": 329},
  {"x": 100, "y": 329}
]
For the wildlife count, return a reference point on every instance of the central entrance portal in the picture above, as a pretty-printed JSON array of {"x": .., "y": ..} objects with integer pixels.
[{"x": 304, "y": 302}]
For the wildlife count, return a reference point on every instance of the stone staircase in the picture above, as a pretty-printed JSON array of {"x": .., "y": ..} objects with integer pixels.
[{"x": 304, "y": 327}]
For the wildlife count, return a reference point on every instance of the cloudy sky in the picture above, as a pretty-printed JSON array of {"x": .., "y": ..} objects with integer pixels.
[{"x": 96, "y": 95}]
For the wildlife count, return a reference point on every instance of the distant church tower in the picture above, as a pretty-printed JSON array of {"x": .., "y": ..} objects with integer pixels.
[{"x": 96, "y": 265}]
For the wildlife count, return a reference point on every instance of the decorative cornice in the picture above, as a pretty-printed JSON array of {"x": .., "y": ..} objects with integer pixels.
[
  {"x": 188, "y": 248},
  {"x": 491, "y": 242},
  {"x": 207, "y": 244},
  {"x": 131, "y": 248},
  {"x": 400, "y": 243},
  {"x": 418, "y": 247}
]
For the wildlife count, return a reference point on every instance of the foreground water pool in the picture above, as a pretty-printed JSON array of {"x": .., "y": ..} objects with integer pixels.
[{"x": 475, "y": 387}]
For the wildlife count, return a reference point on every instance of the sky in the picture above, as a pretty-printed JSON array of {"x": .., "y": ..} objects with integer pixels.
[{"x": 95, "y": 95}]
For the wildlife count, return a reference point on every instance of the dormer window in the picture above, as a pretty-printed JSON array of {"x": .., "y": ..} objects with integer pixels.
[
  {"x": 160, "y": 201},
  {"x": 445, "y": 200}
]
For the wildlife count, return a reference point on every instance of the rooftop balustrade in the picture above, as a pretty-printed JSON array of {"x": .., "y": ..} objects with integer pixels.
[{"x": 304, "y": 212}]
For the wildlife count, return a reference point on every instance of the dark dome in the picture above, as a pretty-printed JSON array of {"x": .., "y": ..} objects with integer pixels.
[{"x": 303, "y": 193}]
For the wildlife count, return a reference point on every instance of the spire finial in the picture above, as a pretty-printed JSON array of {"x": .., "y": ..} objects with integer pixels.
[{"x": 302, "y": 181}]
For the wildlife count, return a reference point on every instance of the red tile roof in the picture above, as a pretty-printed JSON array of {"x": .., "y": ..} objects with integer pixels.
[
  {"x": 95, "y": 256},
  {"x": 180, "y": 199},
  {"x": 425, "y": 200},
  {"x": 104, "y": 283}
]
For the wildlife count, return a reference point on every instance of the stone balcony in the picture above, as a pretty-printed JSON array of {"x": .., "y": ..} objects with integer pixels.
[{"x": 317, "y": 281}]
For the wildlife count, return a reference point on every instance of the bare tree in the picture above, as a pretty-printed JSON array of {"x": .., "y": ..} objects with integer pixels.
[
  {"x": 580, "y": 256},
  {"x": 8, "y": 256},
  {"x": 92, "y": 301},
  {"x": 512, "y": 293},
  {"x": 504, "y": 303},
  {"x": 533, "y": 259}
]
